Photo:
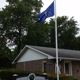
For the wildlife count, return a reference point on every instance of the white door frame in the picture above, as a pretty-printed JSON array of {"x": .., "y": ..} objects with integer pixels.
[
  {"x": 43, "y": 65},
  {"x": 70, "y": 67}
]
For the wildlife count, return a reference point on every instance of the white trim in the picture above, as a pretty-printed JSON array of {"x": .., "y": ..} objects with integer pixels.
[
  {"x": 18, "y": 55},
  {"x": 68, "y": 58},
  {"x": 43, "y": 65},
  {"x": 27, "y": 56},
  {"x": 49, "y": 56}
]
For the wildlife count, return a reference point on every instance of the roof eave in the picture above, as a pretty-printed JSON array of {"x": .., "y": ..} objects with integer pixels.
[
  {"x": 14, "y": 61},
  {"x": 68, "y": 58}
]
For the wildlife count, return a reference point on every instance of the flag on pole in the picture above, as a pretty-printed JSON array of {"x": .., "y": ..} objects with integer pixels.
[
  {"x": 47, "y": 13},
  {"x": 50, "y": 11}
]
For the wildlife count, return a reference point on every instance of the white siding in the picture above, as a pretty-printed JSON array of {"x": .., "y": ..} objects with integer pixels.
[{"x": 30, "y": 55}]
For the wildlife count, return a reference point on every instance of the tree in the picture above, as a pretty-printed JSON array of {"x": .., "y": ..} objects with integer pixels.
[
  {"x": 37, "y": 35},
  {"x": 15, "y": 20},
  {"x": 5, "y": 57},
  {"x": 5, "y": 52},
  {"x": 17, "y": 17},
  {"x": 67, "y": 29},
  {"x": 2, "y": 36}
]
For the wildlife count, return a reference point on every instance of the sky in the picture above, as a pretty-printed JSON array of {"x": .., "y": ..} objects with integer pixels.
[{"x": 68, "y": 8}]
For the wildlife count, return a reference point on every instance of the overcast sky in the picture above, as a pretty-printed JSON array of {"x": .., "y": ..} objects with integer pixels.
[
  {"x": 64, "y": 8},
  {"x": 70, "y": 8}
]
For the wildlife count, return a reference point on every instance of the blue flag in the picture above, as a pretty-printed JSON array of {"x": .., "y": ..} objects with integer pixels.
[{"x": 47, "y": 13}]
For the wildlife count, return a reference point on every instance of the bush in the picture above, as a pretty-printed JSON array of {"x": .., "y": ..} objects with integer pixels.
[
  {"x": 68, "y": 78},
  {"x": 63, "y": 78},
  {"x": 8, "y": 75}
]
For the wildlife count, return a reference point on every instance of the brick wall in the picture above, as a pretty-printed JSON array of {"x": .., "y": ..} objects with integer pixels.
[
  {"x": 76, "y": 69},
  {"x": 19, "y": 66},
  {"x": 50, "y": 66},
  {"x": 36, "y": 65}
]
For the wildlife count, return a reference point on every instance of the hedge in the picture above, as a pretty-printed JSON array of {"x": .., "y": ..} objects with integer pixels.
[{"x": 8, "y": 75}]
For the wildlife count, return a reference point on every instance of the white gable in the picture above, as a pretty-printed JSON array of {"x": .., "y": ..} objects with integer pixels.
[{"x": 30, "y": 55}]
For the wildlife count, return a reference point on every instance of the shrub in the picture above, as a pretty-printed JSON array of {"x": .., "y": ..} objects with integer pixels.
[
  {"x": 67, "y": 78},
  {"x": 8, "y": 75}
]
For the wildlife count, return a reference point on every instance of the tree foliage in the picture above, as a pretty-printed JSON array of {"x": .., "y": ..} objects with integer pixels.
[
  {"x": 66, "y": 32},
  {"x": 17, "y": 17},
  {"x": 18, "y": 27},
  {"x": 15, "y": 20}
]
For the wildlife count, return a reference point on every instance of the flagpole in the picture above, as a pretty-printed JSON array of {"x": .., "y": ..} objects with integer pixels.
[{"x": 56, "y": 40}]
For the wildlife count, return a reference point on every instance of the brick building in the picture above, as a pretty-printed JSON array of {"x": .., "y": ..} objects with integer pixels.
[{"x": 43, "y": 59}]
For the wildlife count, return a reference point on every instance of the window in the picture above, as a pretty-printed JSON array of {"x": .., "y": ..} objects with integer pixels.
[{"x": 68, "y": 68}]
